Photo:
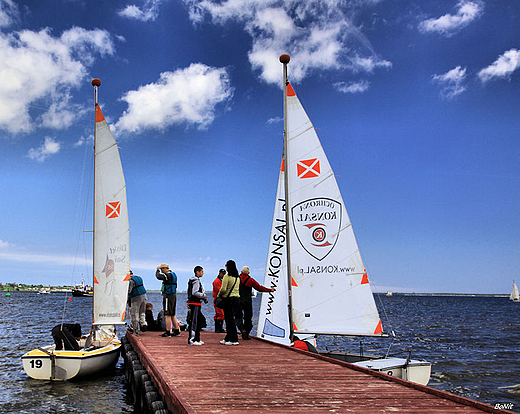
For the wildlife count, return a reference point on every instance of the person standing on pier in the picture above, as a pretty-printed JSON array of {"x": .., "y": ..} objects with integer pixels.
[
  {"x": 196, "y": 295},
  {"x": 169, "y": 293},
  {"x": 219, "y": 313},
  {"x": 244, "y": 317},
  {"x": 137, "y": 300},
  {"x": 230, "y": 292}
]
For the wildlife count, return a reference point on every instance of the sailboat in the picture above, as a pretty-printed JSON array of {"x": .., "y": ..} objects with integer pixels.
[
  {"x": 515, "y": 297},
  {"x": 100, "y": 350},
  {"x": 314, "y": 263}
]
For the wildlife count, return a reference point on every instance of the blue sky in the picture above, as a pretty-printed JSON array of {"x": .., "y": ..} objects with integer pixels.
[{"x": 416, "y": 105}]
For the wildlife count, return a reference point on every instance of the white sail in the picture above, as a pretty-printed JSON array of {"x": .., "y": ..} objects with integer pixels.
[
  {"x": 111, "y": 230},
  {"x": 273, "y": 320},
  {"x": 514, "y": 293},
  {"x": 330, "y": 289}
]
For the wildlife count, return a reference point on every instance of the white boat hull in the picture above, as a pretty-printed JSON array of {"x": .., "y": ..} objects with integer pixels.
[
  {"x": 417, "y": 371},
  {"x": 412, "y": 370},
  {"x": 48, "y": 364}
]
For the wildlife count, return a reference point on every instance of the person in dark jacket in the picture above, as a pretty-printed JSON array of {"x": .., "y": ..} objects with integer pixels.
[
  {"x": 244, "y": 315},
  {"x": 152, "y": 324},
  {"x": 169, "y": 293},
  {"x": 137, "y": 301},
  {"x": 231, "y": 294},
  {"x": 196, "y": 296},
  {"x": 66, "y": 336}
]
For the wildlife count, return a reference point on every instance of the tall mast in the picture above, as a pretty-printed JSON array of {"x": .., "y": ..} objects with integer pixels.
[
  {"x": 95, "y": 83},
  {"x": 284, "y": 59}
]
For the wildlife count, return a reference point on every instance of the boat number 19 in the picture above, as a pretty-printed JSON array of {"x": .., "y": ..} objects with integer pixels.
[{"x": 36, "y": 363}]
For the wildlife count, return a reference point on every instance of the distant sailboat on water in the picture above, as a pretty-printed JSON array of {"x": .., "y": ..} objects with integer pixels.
[
  {"x": 314, "y": 264},
  {"x": 111, "y": 271},
  {"x": 515, "y": 296}
]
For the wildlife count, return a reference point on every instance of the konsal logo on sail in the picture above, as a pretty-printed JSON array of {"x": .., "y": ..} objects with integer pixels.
[{"x": 316, "y": 223}]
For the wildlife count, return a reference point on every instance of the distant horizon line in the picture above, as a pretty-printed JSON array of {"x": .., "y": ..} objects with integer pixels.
[{"x": 4, "y": 285}]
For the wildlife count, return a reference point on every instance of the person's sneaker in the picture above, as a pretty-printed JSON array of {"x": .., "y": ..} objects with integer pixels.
[
  {"x": 195, "y": 343},
  {"x": 224, "y": 342},
  {"x": 233, "y": 343},
  {"x": 201, "y": 342},
  {"x": 166, "y": 334},
  {"x": 176, "y": 333}
]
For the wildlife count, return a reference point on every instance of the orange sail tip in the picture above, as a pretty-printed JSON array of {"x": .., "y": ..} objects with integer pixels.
[
  {"x": 364, "y": 280},
  {"x": 379, "y": 328},
  {"x": 290, "y": 90},
  {"x": 293, "y": 282},
  {"x": 295, "y": 329},
  {"x": 96, "y": 82},
  {"x": 282, "y": 167},
  {"x": 127, "y": 278},
  {"x": 285, "y": 58},
  {"x": 95, "y": 280},
  {"x": 123, "y": 317},
  {"x": 99, "y": 114}
]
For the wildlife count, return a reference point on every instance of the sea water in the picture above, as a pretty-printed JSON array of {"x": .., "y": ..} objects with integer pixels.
[{"x": 473, "y": 343}]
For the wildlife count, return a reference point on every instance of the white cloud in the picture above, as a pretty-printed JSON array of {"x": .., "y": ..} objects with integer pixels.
[
  {"x": 352, "y": 87},
  {"x": 42, "y": 258},
  {"x": 61, "y": 113},
  {"x": 467, "y": 11},
  {"x": 3, "y": 244},
  {"x": 318, "y": 34},
  {"x": 368, "y": 64},
  {"x": 451, "y": 82},
  {"x": 8, "y": 12},
  {"x": 38, "y": 67},
  {"x": 149, "y": 11},
  {"x": 83, "y": 140},
  {"x": 49, "y": 147},
  {"x": 187, "y": 95},
  {"x": 274, "y": 120},
  {"x": 503, "y": 67}
]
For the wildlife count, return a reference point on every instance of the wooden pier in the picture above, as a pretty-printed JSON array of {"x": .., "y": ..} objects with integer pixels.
[{"x": 262, "y": 377}]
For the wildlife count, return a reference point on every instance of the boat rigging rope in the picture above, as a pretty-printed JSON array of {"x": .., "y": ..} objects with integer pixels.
[{"x": 79, "y": 221}]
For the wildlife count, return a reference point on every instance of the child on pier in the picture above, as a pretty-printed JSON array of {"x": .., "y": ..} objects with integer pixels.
[{"x": 196, "y": 295}]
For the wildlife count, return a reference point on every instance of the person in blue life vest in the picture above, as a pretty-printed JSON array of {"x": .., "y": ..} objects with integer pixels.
[
  {"x": 196, "y": 295},
  {"x": 169, "y": 294},
  {"x": 137, "y": 301}
]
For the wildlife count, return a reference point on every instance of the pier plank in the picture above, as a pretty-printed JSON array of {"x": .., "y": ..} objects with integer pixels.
[{"x": 258, "y": 376}]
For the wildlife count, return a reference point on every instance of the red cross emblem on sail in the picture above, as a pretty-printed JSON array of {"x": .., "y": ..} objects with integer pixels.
[
  {"x": 308, "y": 168},
  {"x": 113, "y": 209}
]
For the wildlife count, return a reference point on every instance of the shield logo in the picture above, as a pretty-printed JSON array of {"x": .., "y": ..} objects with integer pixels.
[
  {"x": 113, "y": 209},
  {"x": 317, "y": 222}
]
